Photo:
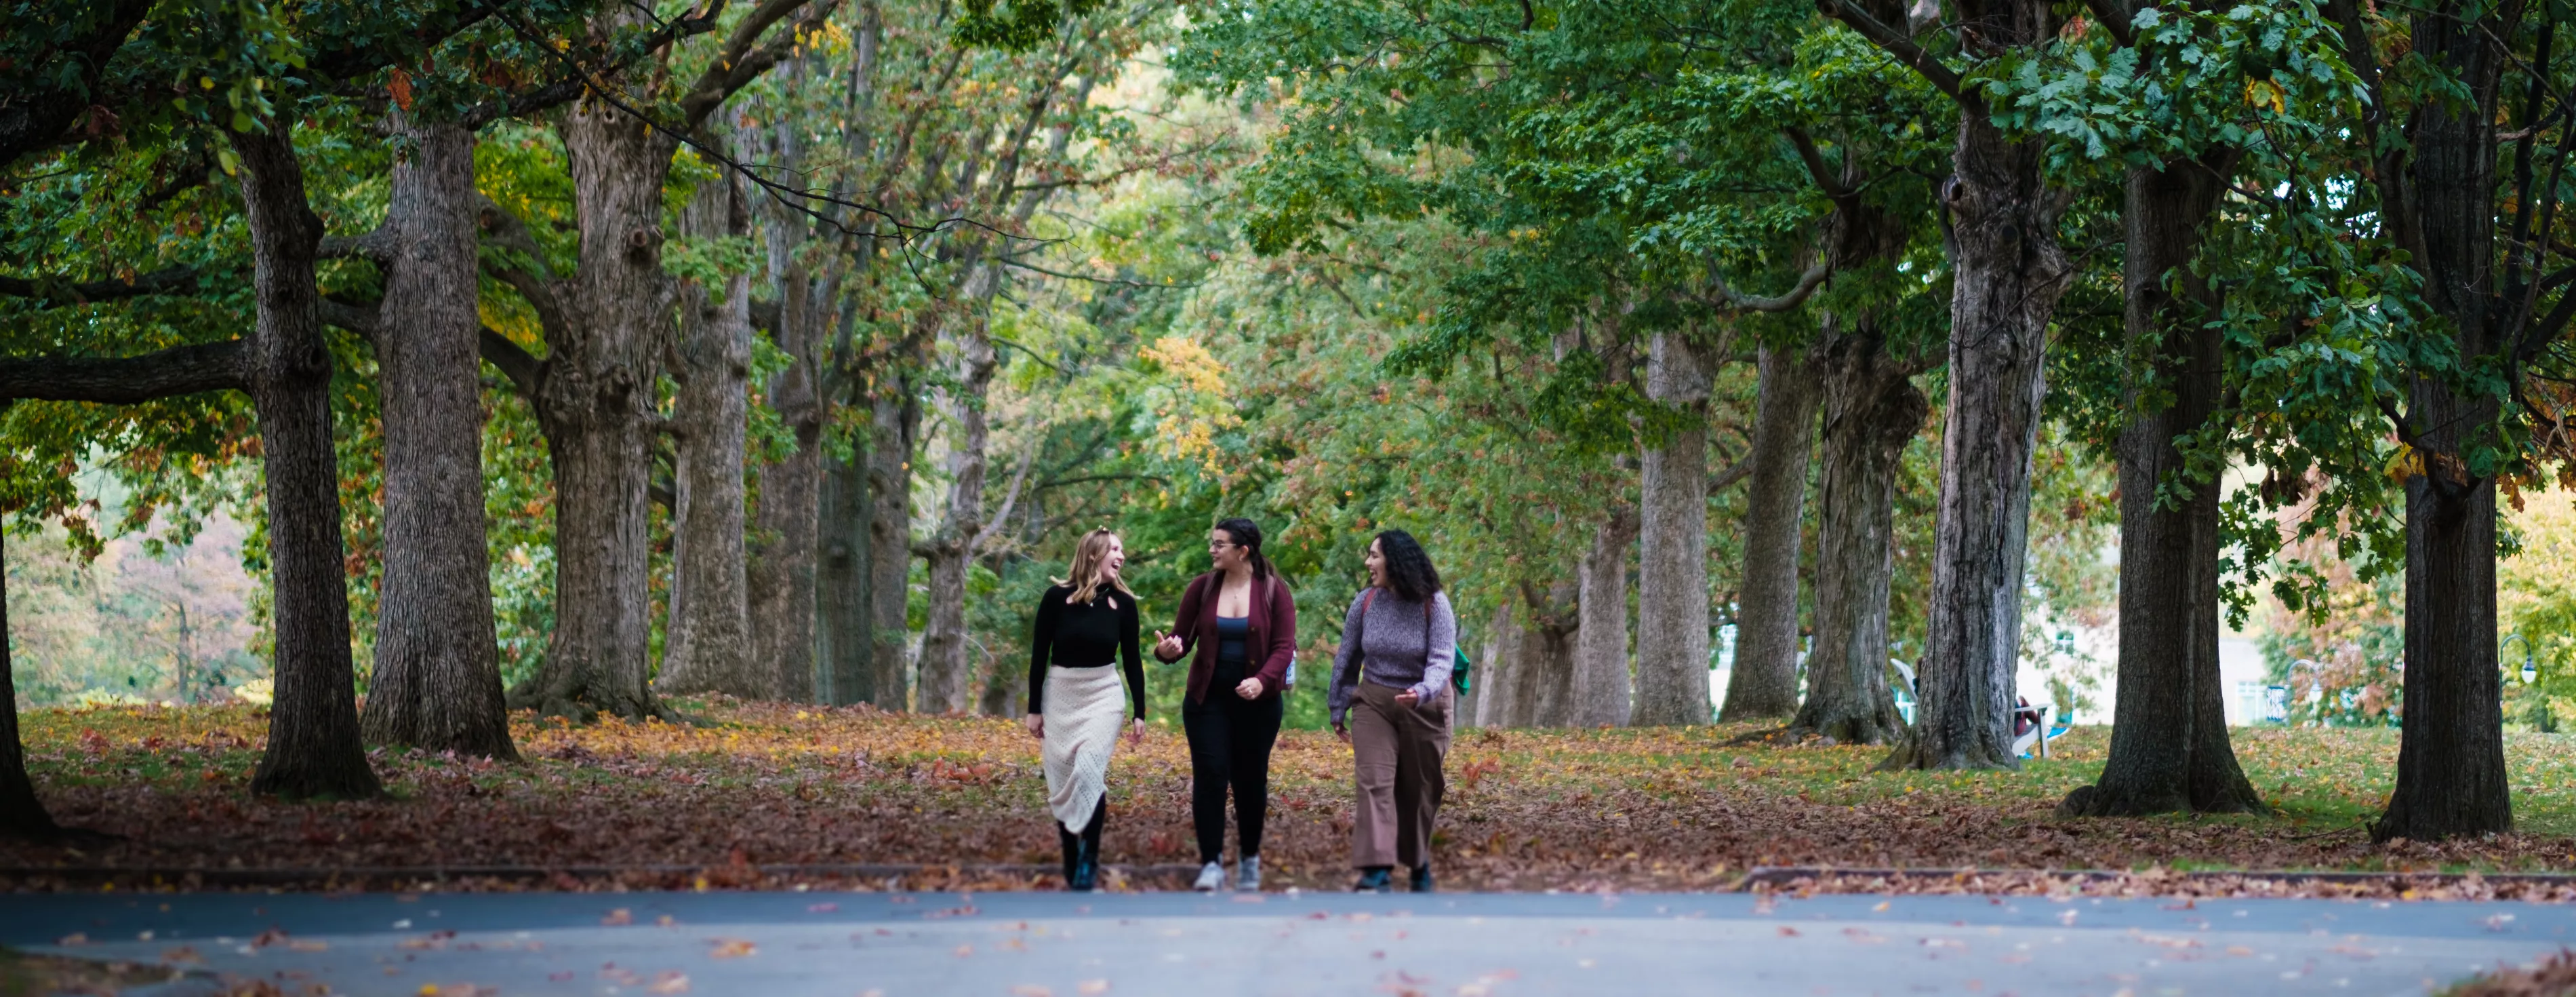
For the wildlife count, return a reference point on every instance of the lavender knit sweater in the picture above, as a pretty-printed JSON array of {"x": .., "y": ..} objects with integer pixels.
[{"x": 1397, "y": 644}]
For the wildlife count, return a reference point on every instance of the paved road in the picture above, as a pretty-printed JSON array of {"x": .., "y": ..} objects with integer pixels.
[{"x": 1501, "y": 945}]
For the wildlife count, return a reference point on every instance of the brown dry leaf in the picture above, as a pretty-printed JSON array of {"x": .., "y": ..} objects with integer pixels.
[
  {"x": 1031, "y": 990},
  {"x": 619, "y": 917},
  {"x": 732, "y": 948},
  {"x": 669, "y": 981},
  {"x": 1091, "y": 988},
  {"x": 1557, "y": 809}
]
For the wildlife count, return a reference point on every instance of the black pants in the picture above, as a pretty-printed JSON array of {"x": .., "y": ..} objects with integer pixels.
[{"x": 1230, "y": 739}]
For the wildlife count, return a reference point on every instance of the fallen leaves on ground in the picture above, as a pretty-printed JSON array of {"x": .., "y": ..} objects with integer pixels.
[
  {"x": 756, "y": 787},
  {"x": 2554, "y": 976}
]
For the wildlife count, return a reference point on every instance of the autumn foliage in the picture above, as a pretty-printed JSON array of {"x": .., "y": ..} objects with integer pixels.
[{"x": 754, "y": 789}]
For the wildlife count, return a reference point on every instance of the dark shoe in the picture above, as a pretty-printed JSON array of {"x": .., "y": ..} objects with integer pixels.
[
  {"x": 1072, "y": 852},
  {"x": 1086, "y": 868},
  {"x": 1422, "y": 879},
  {"x": 1375, "y": 879}
]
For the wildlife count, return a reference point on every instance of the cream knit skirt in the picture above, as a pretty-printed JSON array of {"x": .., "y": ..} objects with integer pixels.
[{"x": 1084, "y": 707}]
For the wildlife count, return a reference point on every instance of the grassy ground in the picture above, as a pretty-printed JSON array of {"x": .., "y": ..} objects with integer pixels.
[{"x": 1664, "y": 808}]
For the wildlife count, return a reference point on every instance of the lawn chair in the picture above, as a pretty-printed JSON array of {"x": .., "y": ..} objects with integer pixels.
[{"x": 2042, "y": 717}]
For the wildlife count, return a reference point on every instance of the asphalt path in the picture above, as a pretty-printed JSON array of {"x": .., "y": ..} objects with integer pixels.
[{"x": 1496, "y": 945}]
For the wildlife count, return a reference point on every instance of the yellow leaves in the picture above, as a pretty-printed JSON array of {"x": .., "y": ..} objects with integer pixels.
[
  {"x": 2405, "y": 464},
  {"x": 732, "y": 948},
  {"x": 2265, "y": 93}
]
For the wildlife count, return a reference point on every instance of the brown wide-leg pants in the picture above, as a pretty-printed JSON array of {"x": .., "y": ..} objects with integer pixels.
[{"x": 1397, "y": 751}]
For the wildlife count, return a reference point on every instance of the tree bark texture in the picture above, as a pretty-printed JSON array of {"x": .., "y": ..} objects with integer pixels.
[
  {"x": 2169, "y": 745},
  {"x": 783, "y": 562},
  {"x": 841, "y": 580},
  {"x": 2009, "y": 271},
  {"x": 22, "y": 815},
  {"x": 1871, "y": 409},
  {"x": 1542, "y": 672},
  {"x": 313, "y": 745},
  {"x": 894, "y": 424},
  {"x": 2450, "y": 763},
  {"x": 437, "y": 679},
  {"x": 1764, "y": 682},
  {"x": 1672, "y": 570},
  {"x": 1601, "y": 685},
  {"x": 1489, "y": 699},
  {"x": 707, "y": 645},
  {"x": 595, "y": 409},
  {"x": 946, "y": 658}
]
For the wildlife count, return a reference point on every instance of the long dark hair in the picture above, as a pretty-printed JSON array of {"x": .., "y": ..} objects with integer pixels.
[
  {"x": 1247, "y": 536},
  {"x": 1408, "y": 569}
]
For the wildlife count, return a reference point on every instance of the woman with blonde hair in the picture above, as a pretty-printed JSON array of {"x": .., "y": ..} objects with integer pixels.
[{"x": 1073, "y": 694}]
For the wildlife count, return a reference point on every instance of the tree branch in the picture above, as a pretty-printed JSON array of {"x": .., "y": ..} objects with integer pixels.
[
  {"x": 1895, "y": 43},
  {"x": 170, "y": 280},
  {"x": 740, "y": 63},
  {"x": 180, "y": 370}
]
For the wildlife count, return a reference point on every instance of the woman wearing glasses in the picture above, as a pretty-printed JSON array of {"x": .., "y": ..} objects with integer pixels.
[
  {"x": 1074, "y": 706},
  {"x": 1243, "y": 624}
]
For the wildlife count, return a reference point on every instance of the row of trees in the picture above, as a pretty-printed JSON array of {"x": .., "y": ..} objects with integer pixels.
[
  {"x": 302, "y": 233},
  {"x": 717, "y": 310},
  {"x": 2314, "y": 239}
]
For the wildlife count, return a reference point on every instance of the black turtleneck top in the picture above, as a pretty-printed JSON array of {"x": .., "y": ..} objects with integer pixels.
[{"x": 1076, "y": 635}]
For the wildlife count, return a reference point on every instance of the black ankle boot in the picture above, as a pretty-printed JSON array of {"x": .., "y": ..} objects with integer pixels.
[
  {"x": 1072, "y": 852},
  {"x": 1422, "y": 878},
  {"x": 1086, "y": 866},
  {"x": 1375, "y": 879}
]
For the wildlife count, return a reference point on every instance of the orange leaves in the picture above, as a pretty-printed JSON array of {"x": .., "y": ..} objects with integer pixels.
[{"x": 732, "y": 948}]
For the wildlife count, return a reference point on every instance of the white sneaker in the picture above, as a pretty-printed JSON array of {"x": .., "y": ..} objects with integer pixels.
[
  {"x": 1211, "y": 877},
  {"x": 1247, "y": 874}
]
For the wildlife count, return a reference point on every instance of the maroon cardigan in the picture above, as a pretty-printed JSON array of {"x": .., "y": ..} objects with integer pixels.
[{"x": 1274, "y": 626}]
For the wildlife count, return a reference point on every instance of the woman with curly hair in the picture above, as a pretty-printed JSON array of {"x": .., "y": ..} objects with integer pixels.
[
  {"x": 1390, "y": 702},
  {"x": 1074, "y": 697}
]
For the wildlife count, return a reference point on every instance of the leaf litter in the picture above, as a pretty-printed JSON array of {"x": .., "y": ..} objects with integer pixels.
[{"x": 754, "y": 793}]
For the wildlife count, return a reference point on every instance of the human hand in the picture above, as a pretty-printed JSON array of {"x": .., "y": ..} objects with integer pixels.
[
  {"x": 1166, "y": 646},
  {"x": 1407, "y": 699},
  {"x": 1248, "y": 689},
  {"x": 1342, "y": 732},
  {"x": 1037, "y": 725},
  {"x": 1136, "y": 732}
]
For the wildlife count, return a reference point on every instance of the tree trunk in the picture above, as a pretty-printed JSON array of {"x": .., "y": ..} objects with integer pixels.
[
  {"x": 841, "y": 580},
  {"x": 1492, "y": 686},
  {"x": 895, "y": 421},
  {"x": 1871, "y": 410},
  {"x": 2009, "y": 271},
  {"x": 783, "y": 564},
  {"x": 1764, "y": 682},
  {"x": 22, "y": 815},
  {"x": 1600, "y": 686},
  {"x": 437, "y": 679},
  {"x": 1543, "y": 668},
  {"x": 1672, "y": 575},
  {"x": 2169, "y": 746},
  {"x": 707, "y": 645},
  {"x": 595, "y": 408},
  {"x": 946, "y": 664},
  {"x": 313, "y": 745},
  {"x": 2450, "y": 764}
]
